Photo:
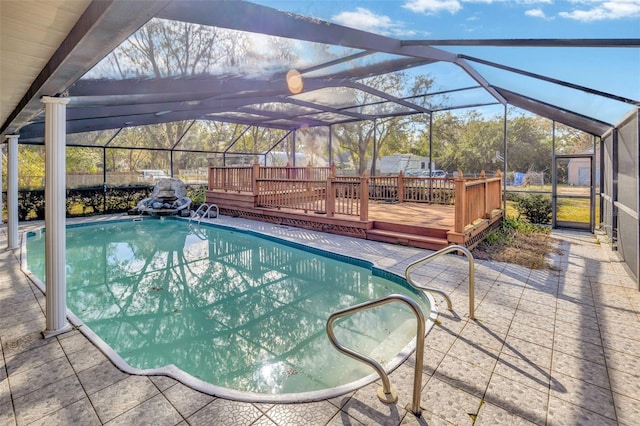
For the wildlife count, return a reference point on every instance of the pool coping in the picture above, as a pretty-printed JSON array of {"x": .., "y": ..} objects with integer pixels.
[{"x": 214, "y": 390}]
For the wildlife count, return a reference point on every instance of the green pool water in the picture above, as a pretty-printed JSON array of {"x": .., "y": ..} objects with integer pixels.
[{"x": 228, "y": 307}]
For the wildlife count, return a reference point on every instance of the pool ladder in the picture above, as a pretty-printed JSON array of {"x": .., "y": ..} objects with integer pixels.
[
  {"x": 386, "y": 393},
  {"x": 203, "y": 211},
  {"x": 432, "y": 256}
]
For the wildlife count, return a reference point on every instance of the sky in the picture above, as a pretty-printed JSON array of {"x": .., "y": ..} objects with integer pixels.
[{"x": 611, "y": 70}]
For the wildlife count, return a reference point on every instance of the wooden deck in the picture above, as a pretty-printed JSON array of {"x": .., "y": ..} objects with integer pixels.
[
  {"x": 422, "y": 212},
  {"x": 419, "y": 214},
  {"x": 413, "y": 224}
]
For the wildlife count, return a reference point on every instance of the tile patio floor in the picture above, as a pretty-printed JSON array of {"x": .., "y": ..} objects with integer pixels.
[{"x": 554, "y": 347}]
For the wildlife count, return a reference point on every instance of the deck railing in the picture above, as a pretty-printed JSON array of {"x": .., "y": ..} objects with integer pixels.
[
  {"x": 476, "y": 199},
  {"x": 402, "y": 189},
  {"x": 238, "y": 179},
  {"x": 351, "y": 196},
  {"x": 318, "y": 190}
]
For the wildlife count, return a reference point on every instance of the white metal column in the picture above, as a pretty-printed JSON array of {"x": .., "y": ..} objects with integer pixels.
[
  {"x": 1, "y": 222},
  {"x": 54, "y": 214},
  {"x": 12, "y": 191}
]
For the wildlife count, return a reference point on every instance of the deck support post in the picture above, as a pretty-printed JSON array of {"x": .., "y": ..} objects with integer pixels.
[
  {"x": 55, "y": 217},
  {"x": 364, "y": 197},
  {"x": 400, "y": 187},
  {"x": 255, "y": 174},
  {"x": 460, "y": 203},
  {"x": 330, "y": 201}
]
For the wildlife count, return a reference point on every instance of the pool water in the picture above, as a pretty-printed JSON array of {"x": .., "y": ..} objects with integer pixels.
[{"x": 228, "y": 307}]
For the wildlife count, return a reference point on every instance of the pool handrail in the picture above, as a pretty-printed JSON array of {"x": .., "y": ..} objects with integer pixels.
[
  {"x": 203, "y": 211},
  {"x": 386, "y": 393},
  {"x": 201, "y": 208},
  {"x": 446, "y": 250},
  {"x": 206, "y": 213}
]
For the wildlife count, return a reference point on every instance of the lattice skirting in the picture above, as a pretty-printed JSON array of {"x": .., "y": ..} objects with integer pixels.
[
  {"x": 350, "y": 231},
  {"x": 476, "y": 239}
]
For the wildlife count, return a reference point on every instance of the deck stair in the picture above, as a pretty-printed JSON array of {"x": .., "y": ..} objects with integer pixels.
[{"x": 410, "y": 235}]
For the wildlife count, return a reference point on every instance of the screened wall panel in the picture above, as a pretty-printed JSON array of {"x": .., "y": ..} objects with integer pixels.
[
  {"x": 125, "y": 166},
  {"x": 607, "y": 190},
  {"x": 628, "y": 240},
  {"x": 628, "y": 214},
  {"x": 313, "y": 145},
  {"x": 628, "y": 164}
]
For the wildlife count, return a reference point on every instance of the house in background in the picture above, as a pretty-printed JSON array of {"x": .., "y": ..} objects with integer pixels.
[{"x": 579, "y": 169}]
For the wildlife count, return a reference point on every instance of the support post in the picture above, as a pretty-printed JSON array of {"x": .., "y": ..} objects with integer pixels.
[
  {"x": 430, "y": 149},
  {"x": 331, "y": 160},
  {"x": 486, "y": 210},
  {"x": 554, "y": 182},
  {"x": 255, "y": 174},
  {"x": 104, "y": 180},
  {"x": 374, "y": 157},
  {"x": 55, "y": 221},
  {"x": 12, "y": 191},
  {"x": 364, "y": 197},
  {"x": 1, "y": 149},
  {"x": 293, "y": 149},
  {"x": 330, "y": 201},
  {"x": 460, "y": 203},
  {"x": 505, "y": 133}
]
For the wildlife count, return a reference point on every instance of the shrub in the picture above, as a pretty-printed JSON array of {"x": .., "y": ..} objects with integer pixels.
[{"x": 535, "y": 207}]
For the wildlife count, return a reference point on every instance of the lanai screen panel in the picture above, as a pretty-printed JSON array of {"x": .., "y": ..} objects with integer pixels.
[
  {"x": 313, "y": 145},
  {"x": 587, "y": 66},
  {"x": 607, "y": 190},
  {"x": 628, "y": 213},
  {"x": 468, "y": 98},
  {"x": 363, "y": 64},
  {"x": 97, "y": 138},
  {"x": 174, "y": 71},
  {"x": 338, "y": 97},
  {"x": 581, "y": 102},
  {"x": 156, "y": 136},
  {"x": 183, "y": 49},
  {"x": 446, "y": 76}
]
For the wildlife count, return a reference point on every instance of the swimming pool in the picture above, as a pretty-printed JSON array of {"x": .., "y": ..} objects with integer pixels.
[{"x": 229, "y": 312}]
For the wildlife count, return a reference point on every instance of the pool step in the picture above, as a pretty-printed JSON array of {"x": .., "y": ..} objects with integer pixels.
[{"x": 408, "y": 235}]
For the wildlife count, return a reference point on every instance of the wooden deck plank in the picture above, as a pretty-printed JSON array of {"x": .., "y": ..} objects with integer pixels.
[{"x": 419, "y": 214}]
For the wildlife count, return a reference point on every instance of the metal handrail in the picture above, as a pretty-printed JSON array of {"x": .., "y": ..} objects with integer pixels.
[
  {"x": 204, "y": 210},
  {"x": 437, "y": 254},
  {"x": 386, "y": 394},
  {"x": 206, "y": 213},
  {"x": 200, "y": 208}
]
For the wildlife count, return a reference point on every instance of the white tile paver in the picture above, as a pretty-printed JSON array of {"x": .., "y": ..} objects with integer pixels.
[{"x": 554, "y": 347}]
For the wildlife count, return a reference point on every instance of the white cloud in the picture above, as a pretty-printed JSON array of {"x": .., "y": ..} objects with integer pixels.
[
  {"x": 430, "y": 7},
  {"x": 605, "y": 10},
  {"x": 530, "y": 2},
  {"x": 366, "y": 20},
  {"x": 525, "y": 2},
  {"x": 536, "y": 13}
]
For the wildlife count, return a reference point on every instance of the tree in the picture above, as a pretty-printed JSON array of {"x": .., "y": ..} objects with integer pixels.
[
  {"x": 83, "y": 160},
  {"x": 392, "y": 130},
  {"x": 529, "y": 143},
  {"x": 31, "y": 167},
  {"x": 572, "y": 141}
]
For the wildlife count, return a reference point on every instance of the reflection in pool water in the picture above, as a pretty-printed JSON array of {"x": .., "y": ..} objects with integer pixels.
[{"x": 227, "y": 307}]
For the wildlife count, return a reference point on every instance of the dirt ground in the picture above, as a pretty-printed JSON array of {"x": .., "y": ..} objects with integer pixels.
[{"x": 522, "y": 248}]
